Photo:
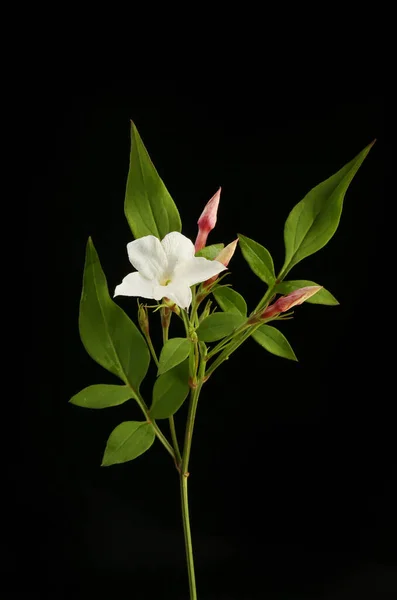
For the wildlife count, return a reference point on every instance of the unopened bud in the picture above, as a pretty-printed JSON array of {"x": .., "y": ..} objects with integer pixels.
[
  {"x": 290, "y": 300},
  {"x": 143, "y": 318},
  {"x": 226, "y": 253},
  {"x": 206, "y": 311},
  {"x": 207, "y": 220},
  {"x": 223, "y": 257}
]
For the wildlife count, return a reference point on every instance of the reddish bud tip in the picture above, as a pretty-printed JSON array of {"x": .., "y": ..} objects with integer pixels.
[{"x": 207, "y": 220}]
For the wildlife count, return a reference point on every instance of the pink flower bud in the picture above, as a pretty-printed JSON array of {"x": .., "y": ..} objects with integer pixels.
[
  {"x": 207, "y": 221},
  {"x": 223, "y": 257},
  {"x": 293, "y": 299}
]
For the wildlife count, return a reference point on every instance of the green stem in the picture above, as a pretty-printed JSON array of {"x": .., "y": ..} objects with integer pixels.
[
  {"x": 175, "y": 442},
  {"x": 151, "y": 348},
  {"x": 227, "y": 339},
  {"x": 165, "y": 324},
  {"x": 269, "y": 293},
  {"x": 194, "y": 396},
  {"x": 226, "y": 352},
  {"x": 145, "y": 409},
  {"x": 188, "y": 537}
]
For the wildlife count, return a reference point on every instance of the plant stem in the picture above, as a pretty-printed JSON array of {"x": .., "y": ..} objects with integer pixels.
[
  {"x": 165, "y": 324},
  {"x": 175, "y": 442},
  {"x": 152, "y": 350},
  {"x": 194, "y": 396},
  {"x": 145, "y": 409},
  {"x": 188, "y": 537},
  {"x": 227, "y": 339}
]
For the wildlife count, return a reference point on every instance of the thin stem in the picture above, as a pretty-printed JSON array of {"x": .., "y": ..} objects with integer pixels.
[
  {"x": 234, "y": 344},
  {"x": 188, "y": 537},
  {"x": 186, "y": 323},
  {"x": 152, "y": 350},
  {"x": 194, "y": 396},
  {"x": 197, "y": 367},
  {"x": 175, "y": 441},
  {"x": 269, "y": 293},
  {"x": 195, "y": 305},
  {"x": 145, "y": 409},
  {"x": 165, "y": 324},
  {"x": 227, "y": 339}
]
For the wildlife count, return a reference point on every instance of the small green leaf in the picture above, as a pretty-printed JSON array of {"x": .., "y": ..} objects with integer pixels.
[
  {"x": 102, "y": 396},
  {"x": 274, "y": 341},
  {"x": 258, "y": 258},
  {"x": 170, "y": 391},
  {"x": 210, "y": 252},
  {"x": 108, "y": 335},
  {"x": 218, "y": 325},
  {"x": 321, "y": 297},
  {"x": 127, "y": 441},
  {"x": 148, "y": 206},
  {"x": 230, "y": 301},
  {"x": 174, "y": 352},
  {"x": 314, "y": 220}
]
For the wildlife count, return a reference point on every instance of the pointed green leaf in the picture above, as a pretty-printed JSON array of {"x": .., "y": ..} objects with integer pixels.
[
  {"x": 127, "y": 441},
  {"x": 258, "y": 258},
  {"x": 321, "y": 297},
  {"x": 314, "y": 220},
  {"x": 274, "y": 341},
  {"x": 218, "y": 325},
  {"x": 108, "y": 335},
  {"x": 148, "y": 206},
  {"x": 102, "y": 396},
  {"x": 174, "y": 352},
  {"x": 210, "y": 252},
  {"x": 170, "y": 391},
  {"x": 230, "y": 301}
]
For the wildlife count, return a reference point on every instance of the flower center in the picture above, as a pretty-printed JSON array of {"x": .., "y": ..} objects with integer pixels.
[{"x": 165, "y": 281}]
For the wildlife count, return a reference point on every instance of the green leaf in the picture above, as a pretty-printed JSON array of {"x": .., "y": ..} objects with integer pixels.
[
  {"x": 127, "y": 441},
  {"x": 102, "y": 396},
  {"x": 258, "y": 258},
  {"x": 274, "y": 341},
  {"x": 321, "y": 297},
  {"x": 218, "y": 325},
  {"x": 148, "y": 206},
  {"x": 314, "y": 220},
  {"x": 108, "y": 335},
  {"x": 230, "y": 301},
  {"x": 210, "y": 252},
  {"x": 170, "y": 391},
  {"x": 174, "y": 352}
]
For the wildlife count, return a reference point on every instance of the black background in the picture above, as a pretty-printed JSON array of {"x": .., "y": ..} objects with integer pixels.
[{"x": 291, "y": 468}]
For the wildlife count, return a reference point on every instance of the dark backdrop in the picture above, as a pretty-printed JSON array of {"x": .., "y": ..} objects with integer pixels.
[{"x": 291, "y": 469}]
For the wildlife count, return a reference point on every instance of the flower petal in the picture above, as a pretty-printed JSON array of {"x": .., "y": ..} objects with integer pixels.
[
  {"x": 178, "y": 249},
  {"x": 180, "y": 293},
  {"x": 135, "y": 285},
  {"x": 146, "y": 254},
  {"x": 196, "y": 270}
]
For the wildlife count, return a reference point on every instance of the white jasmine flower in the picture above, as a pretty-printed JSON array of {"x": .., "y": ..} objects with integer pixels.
[{"x": 166, "y": 269}]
